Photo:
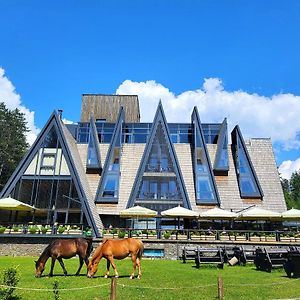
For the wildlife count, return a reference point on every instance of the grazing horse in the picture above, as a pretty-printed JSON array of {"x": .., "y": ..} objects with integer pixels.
[
  {"x": 64, "y": 248},
  {"x": 118, "y": 249}
]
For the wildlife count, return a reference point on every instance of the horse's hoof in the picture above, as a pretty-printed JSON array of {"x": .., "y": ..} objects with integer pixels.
[
  {"x": 105, "y": 276},
  {"x": 131, "y": 277},
  {"x": 139, "y": 277},
  {"x": 116, "y": 276}
]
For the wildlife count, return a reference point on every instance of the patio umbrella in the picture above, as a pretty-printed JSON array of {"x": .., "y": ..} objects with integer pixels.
[
  {"x": 14, "y": 205},
  {"x": 291, "y": 214},
  {"x": 257, "y": 213},
  {"x": 138, "y": 211},
  {"x": 179, "y": 211},
  {"x": 218, "y": 214}
]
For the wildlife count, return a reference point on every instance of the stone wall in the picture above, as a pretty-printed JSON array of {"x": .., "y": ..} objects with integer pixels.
[{"x": 33, "y": 246}]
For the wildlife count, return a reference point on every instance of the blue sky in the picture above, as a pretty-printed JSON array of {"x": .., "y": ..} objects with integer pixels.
[{"x": 245, "y": 53}]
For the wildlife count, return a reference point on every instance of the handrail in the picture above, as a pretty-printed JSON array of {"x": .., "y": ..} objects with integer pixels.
[{"x": 204, "y": 234}]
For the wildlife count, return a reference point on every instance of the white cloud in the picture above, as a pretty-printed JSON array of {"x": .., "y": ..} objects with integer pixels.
[
  {"x": 12, "y": 100},
  {"x": 66, "y": 121},
  {"x": 288, "y": 167},
  {"x": 258, "y": 116}
]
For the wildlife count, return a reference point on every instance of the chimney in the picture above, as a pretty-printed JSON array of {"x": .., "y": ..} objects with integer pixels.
[{"x": 60, "y": 111}]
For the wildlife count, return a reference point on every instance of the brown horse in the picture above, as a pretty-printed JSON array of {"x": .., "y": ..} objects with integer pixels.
[
  {"x": 64, "y": 248},
  {"x": 118, "y": 249}
]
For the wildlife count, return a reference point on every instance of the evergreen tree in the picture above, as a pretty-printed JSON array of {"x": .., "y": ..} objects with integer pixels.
[
  {"x": 295, "y": 188},
  {"x": 13, "y": 145}
]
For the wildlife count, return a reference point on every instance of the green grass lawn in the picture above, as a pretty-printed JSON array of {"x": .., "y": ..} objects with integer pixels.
[{"x": 161, "y": 279}]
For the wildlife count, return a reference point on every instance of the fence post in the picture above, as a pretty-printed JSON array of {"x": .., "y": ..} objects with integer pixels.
[
  {"x": 113, "y": 288},
  {"x": 220, "y": 288}
]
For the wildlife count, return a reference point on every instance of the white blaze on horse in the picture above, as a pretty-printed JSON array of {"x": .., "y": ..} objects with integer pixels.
[{"x": 117, "y": 249}]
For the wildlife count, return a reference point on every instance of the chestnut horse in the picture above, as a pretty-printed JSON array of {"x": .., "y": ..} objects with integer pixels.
[
  {"x": 118, "y": 249},
  {"x": 64, "y": 248}
]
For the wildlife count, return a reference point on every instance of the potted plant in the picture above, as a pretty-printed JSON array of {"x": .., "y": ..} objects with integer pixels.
[
  {"x": 121, "y": 234},
  {"x": 167, "y": 235},
  {"x": 15, "y": 228},
  {"x": 44, "y": 229},
  {"x": 32, "y": 229},
  {"x": 61, "y": 229},
  {"x": 2, "y": 229}
]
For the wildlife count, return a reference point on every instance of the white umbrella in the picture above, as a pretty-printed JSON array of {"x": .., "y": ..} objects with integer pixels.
[
  {"x": 138, "y": 211},
  {"x": 13, "y": 205},
  {"x": 179, "y": 211},
  {"x": 257, "y": 213},
  {"x": 291, "y": 214},
  {"x": 218, "y": 214}
]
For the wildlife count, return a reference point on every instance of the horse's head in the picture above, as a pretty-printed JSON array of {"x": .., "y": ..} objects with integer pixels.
[
  {"x": 39, "y": 268},
  {"x": 92, "y": 268},
  {"x": 93, "y": 264}
]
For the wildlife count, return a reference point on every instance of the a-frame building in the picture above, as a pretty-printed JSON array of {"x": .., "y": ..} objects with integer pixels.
[
  {"x": 159, "y": 183},
  {"x": 50, "y": 178}
]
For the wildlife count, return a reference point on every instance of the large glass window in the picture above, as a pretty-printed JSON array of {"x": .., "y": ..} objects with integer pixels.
[
  {"x": 247, "y": 179},
  {"x": 159, "y": 158},
  {"x": 221, "y": 165},
  {"x": 108, "y": 190},
  {"x": 111, "y": 186},
  {"x": 204, "y": 181},
  {"x": 159, "y": 188}
]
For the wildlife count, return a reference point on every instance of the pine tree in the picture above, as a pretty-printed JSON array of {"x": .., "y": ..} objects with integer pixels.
[
  {"x": 295, "y": 188},
  {"x": 13, "y": 145}
]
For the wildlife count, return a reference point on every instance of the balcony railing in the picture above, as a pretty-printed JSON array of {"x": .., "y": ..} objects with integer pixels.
[{"x": 205, "y": 235}]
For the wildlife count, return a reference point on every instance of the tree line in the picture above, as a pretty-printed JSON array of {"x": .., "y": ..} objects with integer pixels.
[
  {"x": 291, "y": 190},
  {"x": 13, "y": 144}
]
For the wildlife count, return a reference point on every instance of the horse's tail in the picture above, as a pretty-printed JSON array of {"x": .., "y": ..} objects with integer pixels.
[
  {"x": 141, "y": 249},
  {"x": 89, "y": 247}
]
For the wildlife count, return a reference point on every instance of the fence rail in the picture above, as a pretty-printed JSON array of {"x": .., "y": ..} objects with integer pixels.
[{"x": 205, "y": 235}]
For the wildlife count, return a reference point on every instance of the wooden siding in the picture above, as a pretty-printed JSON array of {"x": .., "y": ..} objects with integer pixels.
[{"x": 107, "y": 107}]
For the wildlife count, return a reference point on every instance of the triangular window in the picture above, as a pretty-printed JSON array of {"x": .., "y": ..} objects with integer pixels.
[
  {"x": 247, "y": 179},
  {"x": 43, "y": 179},
  {"x": 159, "y": 184},
  {"x": 205, "y": 186},
  {"x": 221, "y": 165},
  {"x": 93, "y": 164},
  {"x": 108, "y": 190}
]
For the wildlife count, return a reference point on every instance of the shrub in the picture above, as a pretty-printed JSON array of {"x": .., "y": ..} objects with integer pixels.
[
  {"x": 113, "y": 231},
  {"x": 167, "y": 234},
  {"x": 61, "y": 229},
  {"x": 15, "y": 228},
  {"x": 44, "y": 229},
  {"x": 32, "y": 229},
  {"x": 10, "y": 278},
  {"x": 2, "y": 229},
  {"x": 121, "y": 234}
]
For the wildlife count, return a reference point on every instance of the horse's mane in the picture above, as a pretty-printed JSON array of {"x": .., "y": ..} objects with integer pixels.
[
  {"x": 99, "y": 249},
  {"x": 45, "y": 252}
]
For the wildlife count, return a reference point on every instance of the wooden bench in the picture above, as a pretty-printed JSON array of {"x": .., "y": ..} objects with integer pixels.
[
  {"x": 236, "y": 251},
  {"x": 209, "y": 256},
  {"x": 188, "y": 253},
  {"x": 267, "y": 259},
  {"x": 292, "y": 264}
]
